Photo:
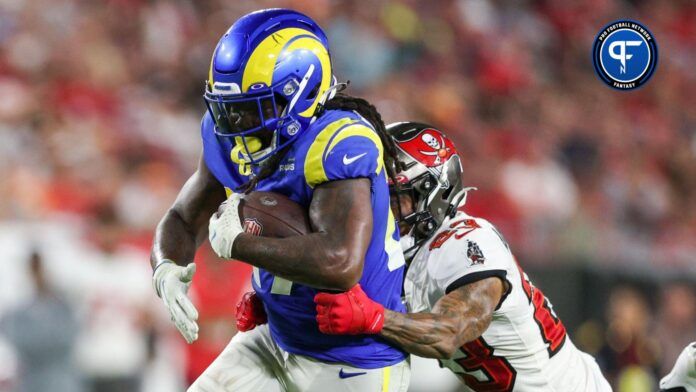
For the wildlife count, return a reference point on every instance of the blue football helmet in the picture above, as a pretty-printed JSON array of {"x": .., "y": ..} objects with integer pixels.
[{"x": 268, "y": 75}]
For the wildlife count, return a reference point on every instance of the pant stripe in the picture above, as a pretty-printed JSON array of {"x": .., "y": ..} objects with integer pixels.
[{"x": 385, "y": 378}]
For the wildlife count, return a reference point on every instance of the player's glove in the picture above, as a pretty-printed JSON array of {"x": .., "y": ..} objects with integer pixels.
[
  {"x": 250, "y": 312},
  {"x": 171, "y": 284},
  {"x": 224, "y": 227},
  {"x": 349, "y": 313}
]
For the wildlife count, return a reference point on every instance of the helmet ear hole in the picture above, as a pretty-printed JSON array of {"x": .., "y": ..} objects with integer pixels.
[
  {"x": 313, "y": 93},
  {"x": 447, "y": 192}
]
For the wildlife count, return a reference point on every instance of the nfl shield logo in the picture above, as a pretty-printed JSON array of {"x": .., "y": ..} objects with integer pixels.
[{"x": 252, "y": 226}]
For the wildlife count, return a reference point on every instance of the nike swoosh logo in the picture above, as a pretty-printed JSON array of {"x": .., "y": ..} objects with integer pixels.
[
  {"x": 343, "y": 374},
  {"x": 348, "y": 161}
]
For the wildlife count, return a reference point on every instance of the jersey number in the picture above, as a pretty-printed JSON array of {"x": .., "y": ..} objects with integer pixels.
[
  {"x": 495, "y": 374},
  {"x": 552, "y": 329}
]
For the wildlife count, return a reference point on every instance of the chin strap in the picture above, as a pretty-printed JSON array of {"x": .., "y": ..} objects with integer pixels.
[{"x": 410, "y": 253}]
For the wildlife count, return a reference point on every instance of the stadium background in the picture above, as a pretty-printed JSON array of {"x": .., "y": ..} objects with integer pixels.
[{"x": 100, "y": 103}]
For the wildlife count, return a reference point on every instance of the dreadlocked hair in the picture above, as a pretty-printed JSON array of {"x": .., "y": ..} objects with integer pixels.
[
  {"x": 340, "y": 102},
  {"x": 370, "y": 113}
]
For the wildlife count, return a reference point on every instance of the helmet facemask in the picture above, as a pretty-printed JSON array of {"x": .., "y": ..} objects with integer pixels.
[
  {"x": 258, "y": 120},
  {"x": 432, "y": 195},
  {"x": 420, "y": 220}
]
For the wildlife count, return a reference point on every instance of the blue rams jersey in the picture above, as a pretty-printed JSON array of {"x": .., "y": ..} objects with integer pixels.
[{"x": 338, "y": 145}]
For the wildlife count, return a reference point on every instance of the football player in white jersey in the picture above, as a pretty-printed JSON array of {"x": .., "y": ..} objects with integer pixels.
[
  {"x": 472, "y": 307},
  {"x": 682, "y": 378}
]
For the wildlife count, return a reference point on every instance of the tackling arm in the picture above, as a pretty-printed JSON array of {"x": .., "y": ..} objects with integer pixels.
[
  {"x": 457, "y": 318},
  {"x": 332, "y": 256}
]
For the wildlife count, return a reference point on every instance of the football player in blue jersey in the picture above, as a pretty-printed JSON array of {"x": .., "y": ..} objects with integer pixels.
[{"x": 275, "y": 122}]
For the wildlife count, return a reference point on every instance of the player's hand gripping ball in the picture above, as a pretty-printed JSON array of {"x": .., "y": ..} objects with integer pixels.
[
  {"x": 349, "y": 313},
  {"x": 225, "y": 226},
  {"x": 267, "y": 214}
]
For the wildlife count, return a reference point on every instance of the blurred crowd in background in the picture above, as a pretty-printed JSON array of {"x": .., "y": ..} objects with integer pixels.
[{"x": 100, "y": 104}]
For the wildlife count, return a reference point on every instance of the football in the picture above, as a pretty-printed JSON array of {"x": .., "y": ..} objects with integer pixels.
[{"x": 271, "y": 214}]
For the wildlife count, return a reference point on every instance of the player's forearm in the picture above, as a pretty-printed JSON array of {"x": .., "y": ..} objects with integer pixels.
[
  {"x": 429, "y": 335},
  {"x": 457, "y": 318},
  {"x": 174, "y": 240},
  {"x": 313, "y": 259}
]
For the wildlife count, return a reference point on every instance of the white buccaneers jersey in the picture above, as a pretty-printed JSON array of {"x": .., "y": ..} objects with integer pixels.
[{"x": 526, "y": 347}]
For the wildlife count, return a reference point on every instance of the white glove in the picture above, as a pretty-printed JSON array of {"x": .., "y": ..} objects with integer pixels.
[
  {"x": 224, "y": 229},
  {"x": 171, "y": 284}
]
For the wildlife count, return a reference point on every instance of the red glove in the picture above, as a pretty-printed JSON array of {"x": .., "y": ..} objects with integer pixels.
[
  {"x": 250, "y": 312},
  {"x": 349, "y": 313}
]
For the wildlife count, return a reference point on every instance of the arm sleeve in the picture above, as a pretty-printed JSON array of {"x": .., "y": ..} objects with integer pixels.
[{"x": 354, "y": 151}]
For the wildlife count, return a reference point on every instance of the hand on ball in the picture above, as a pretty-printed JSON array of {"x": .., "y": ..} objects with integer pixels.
[{"x": 225, "y": 226}]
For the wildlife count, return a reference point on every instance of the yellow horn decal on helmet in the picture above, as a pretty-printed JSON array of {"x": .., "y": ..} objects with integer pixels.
[
  {"x": 259, "y": 68},
  {"x": 210, "y": 73}
]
